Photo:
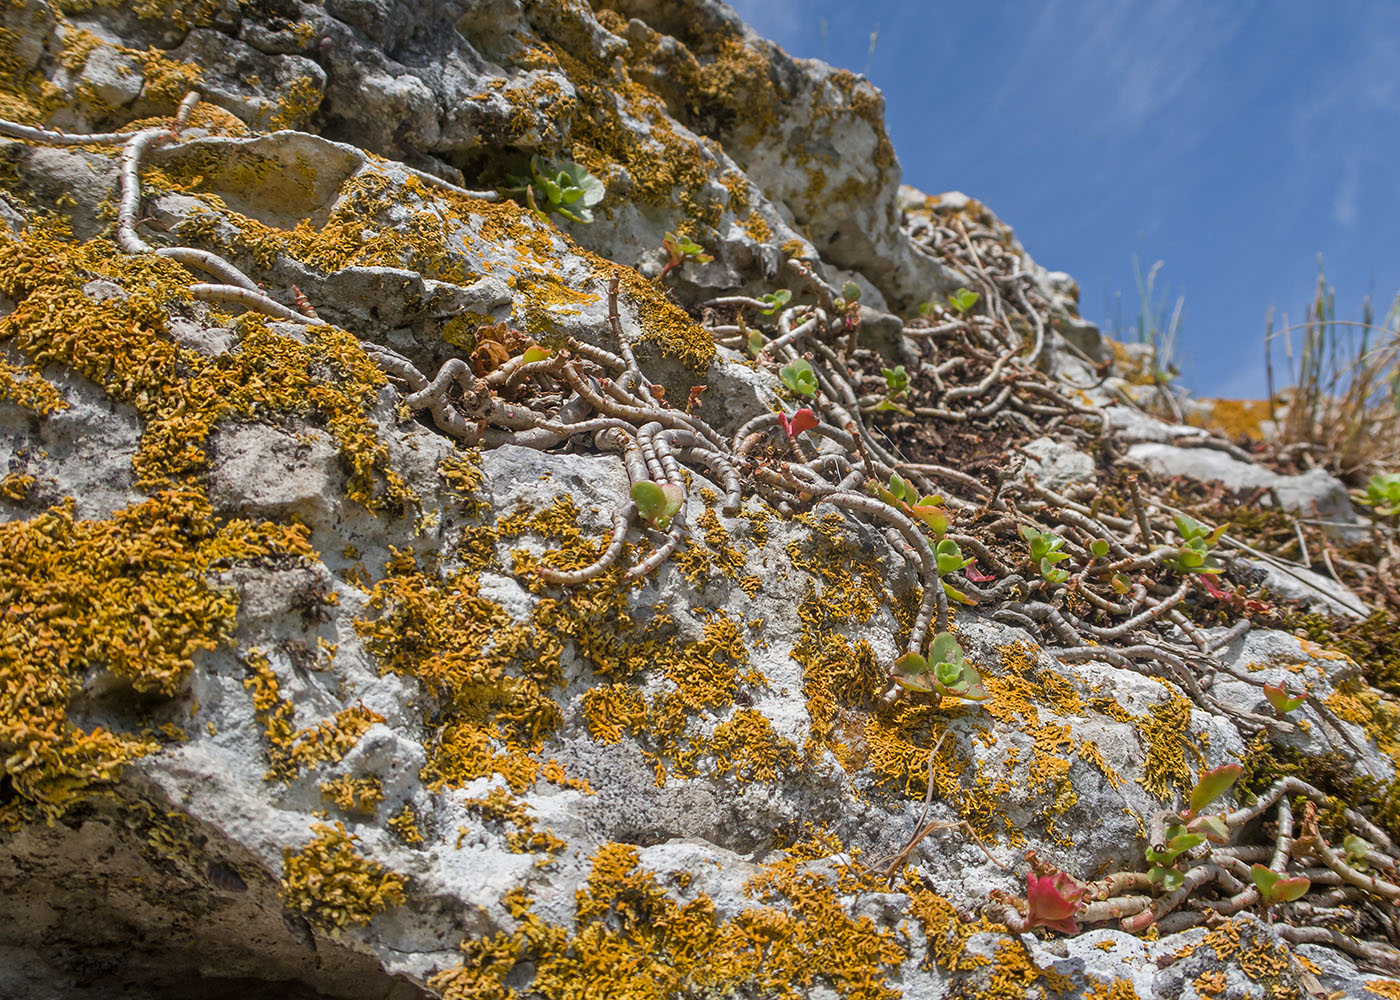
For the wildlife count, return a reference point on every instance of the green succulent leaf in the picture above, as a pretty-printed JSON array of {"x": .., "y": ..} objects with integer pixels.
[
  {"x": 954, "y": 594},
  {"x": 799, "y": 377},
  {"x": 1168, "y": 878},
  {"x": 775, "y": 300},
  {"x": 563, "y": 187},
  {"x": 896, "y": 381},
  {"x": 850, "y": 291},
  {"x": 1276, "y": 888},
  {"x": 1213, "y": 784},
  {"x": 1265, "y": 879},
  {"x": 657, "y": 503},
  {"x": 953, "y": 675},
  {"x": 755, "y": 343},
  {"x": 945, "y": 648},
  {"x": 1052, "y": 575},
  {"x": 1187, "y": 527},
  {"x": 1183, "y": 842},
  {"x": 874, "y": 488},
  {"x": 963, "y": 300},
  {"x": 911, "y": 672},
  {"x": 1286, "y": 890},
  {"x": 1098, "y": 548},
  {"x": 591, "y": 187},
  {"x": 950, "y": 557},
  {"x": 1276, "y": 696},
  {"x": 932, "y": 515},
  {"x": 552, "y": 190},
  {"x": 1213, "y": 828},
  {"x": 1356, "y": 850}
]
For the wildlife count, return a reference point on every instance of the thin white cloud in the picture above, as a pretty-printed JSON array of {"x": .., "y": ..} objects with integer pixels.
[
  {"x": 777, "y": 20},
  {"x": 1346, "y": 207},
  {"x": 1141, "y": 56}
]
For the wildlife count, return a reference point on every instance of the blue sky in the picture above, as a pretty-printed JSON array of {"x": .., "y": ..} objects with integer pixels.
[{"x": 1232, "y": 140}]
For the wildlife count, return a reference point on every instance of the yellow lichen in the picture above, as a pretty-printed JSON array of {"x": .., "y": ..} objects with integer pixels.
[
  {"x": 290, "y": 750},
  {"x": 333, "y": 885},
  {"x": 500, "y": 807},
  {"x": 129, "y": 595},
  {"x": 354, "y": 795},
  {"x": 405, "y": 824},
  {"x": 1164, "y": 736},
  {"x": 122, "y": 344},
  {"x": 16, "y": 485},
  {"x": 631, "y": 940}
]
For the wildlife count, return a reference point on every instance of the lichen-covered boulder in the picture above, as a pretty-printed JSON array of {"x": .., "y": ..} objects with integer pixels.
[{"x": 407, "y": 591}]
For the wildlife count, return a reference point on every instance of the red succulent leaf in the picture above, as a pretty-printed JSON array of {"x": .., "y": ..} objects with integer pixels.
[
  {"x": 1216, "y": 592},
  {"x": 803, "y": 420},
  {"x": 1054, "y": 900},
  {"x": 976, "y": 575}
]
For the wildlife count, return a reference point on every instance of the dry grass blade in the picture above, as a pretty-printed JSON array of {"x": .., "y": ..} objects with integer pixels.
[{"x": 1344, "y": 403}]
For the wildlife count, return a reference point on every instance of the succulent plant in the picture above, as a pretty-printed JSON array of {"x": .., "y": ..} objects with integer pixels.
[{"x": 560, "y": 186}]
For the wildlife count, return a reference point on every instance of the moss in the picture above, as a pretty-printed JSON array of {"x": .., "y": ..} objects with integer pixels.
[
  {"x": 1354, "y": 701},
  {"x": 129, "y": 595},
  {"x": 1372, "y": 642},
  {"x": 666, "y": 326},
  {"x": 333, "y": 885}
]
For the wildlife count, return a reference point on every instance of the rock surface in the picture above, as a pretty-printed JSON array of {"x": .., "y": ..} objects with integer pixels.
[{"x": 290, "y": 708}]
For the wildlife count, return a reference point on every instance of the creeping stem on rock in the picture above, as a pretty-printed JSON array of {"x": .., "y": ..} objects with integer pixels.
[
  {"x": 129, "y": 205},
  {"x": 621, "y": 519}
]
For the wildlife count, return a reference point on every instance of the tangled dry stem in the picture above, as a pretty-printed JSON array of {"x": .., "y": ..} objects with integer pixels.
[{"x": 980, "y": 368}]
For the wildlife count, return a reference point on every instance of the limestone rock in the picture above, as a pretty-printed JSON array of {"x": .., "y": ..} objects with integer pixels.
[{"x": 292, "y": 704}]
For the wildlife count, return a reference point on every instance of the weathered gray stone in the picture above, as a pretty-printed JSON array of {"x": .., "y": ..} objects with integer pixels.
[{"x": 411, "y": 610}]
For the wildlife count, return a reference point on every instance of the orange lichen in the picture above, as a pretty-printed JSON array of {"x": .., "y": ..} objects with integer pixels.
[
  {"x": 25, "y": 385},
  {"x": 631, "y": 940},
  {"x": 1164, "y": 736},
  {"x": 16, "y": 485},
  {"x": 404, "y": 823},
  {"x": 354, "y": 795},
  {"x": 1118, "y": 989},
  {"x": 747, "y": 746},
  {"x": 1235, "y": 418},
  {"x": 121, "y": 342},
  {"x": 289, "y": 750},
  {"x": 500, "y": 807},
  {"x": 333, "y": 884},
  {"x": 129, "y": 595}
]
